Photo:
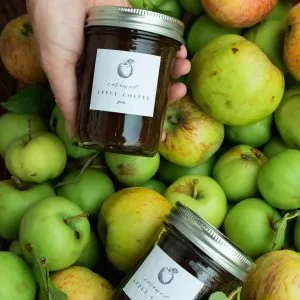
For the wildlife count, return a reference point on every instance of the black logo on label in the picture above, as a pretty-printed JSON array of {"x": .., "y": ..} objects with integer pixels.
[
  {"x": 166, "y": 275},
  {"x": 125, "y": 68}
]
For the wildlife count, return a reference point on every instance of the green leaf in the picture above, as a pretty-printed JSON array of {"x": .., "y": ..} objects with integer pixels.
[
  {"x": 46, "y": 289},
  {"x": 218, "y": 296},
  {"x": 33, "y": 99}
]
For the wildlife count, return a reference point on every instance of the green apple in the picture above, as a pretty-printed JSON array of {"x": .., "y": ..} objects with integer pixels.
[
  {"x": 252, "y": 225},
  {"x": 132, "y": 170},
  {"x": 279, "y": 178},
  {"x": 92, "y": 253},
  {"x": 201, "y": 194},
  {"x": 269, "y": 37},
  {"x": 145, "y": 4},
  {"x": 155, "y": 185},
  {"x": 17, "y": 281},
  {"x": 55, "y": 228},
  {"x": 88, "y": 189},
  {"x": 280, "y": 11},
  {"x": 255, "y": 134},
  {"x": 15, "y": 200},
  {"x": 237, "y": 171},
  {"x": 192, "y": 7},
  {"x": 203, "y": 30},
  {"x": 37, "y": 157},
  {"x": 234, "y": 82},
  {"x": 190, "y": 135},
  {"x": 129, "y": 222},
  {"x": 274, "y": 147},
  {"x": 57, "y": 126},
  {"x": 287, "y": 120},
  {"x": 15, "y": 247},
  {"x": 13, "y": 126},
  {"x": 169, "y": 172},
  {"x": 170, "y": 8}
]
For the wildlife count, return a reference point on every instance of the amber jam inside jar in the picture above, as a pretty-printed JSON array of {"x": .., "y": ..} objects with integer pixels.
[
  {"x": 127, "y": 70},
  {"x": 190, "y": 260}
]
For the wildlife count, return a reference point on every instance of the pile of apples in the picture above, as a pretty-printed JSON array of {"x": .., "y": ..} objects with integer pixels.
[{"x": 230, "y": 152}]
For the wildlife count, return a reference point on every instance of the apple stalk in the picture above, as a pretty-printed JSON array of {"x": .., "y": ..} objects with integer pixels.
[
  {"x": 72, "y": 218},
  {"x": 195, "y": 189}
]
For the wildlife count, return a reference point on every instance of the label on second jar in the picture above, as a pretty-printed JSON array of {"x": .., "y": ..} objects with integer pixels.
[
  {"x": 125, "y": 82},
  {"x": 160, "y": 277}
]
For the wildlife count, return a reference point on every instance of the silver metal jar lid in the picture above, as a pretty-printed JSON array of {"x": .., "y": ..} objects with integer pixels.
[
  {"x": 139, "y": 19},
  {"x": 211, "y": 241}
]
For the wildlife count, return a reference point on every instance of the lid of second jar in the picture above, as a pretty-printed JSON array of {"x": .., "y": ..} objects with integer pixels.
[
  {"x": 211, "y": 241},
  {"x": 139, "y": 19}
]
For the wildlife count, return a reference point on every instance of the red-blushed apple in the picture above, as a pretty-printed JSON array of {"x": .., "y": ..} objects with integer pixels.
[
  {"x": 36, "y": 157},
  {"x": 18, "y": 51},
  {"x": 190, "y": 135},
  {"x": 80, "y": 283},
  {"x": 132, "y": 170},
  {"x": 274, "y": 147},
  {"x": 16, "y": 279},
  {"x": 201, "y": 194},
  {"x": 88, "y": 189},
  {"x": 15, "y": 199},
  {"x": 237, "y": 13},
  {"x": 237, "y": 171},
  {"x": 168, "y": 172},
  {"x": 275, "y": 277},
  {"x": 252, "y": 225},
  {"x": 129, "y": 221},
  {"x": 279, "y": 178},
  {"x": 13, "y": 126},
  {"x": 56, "y": 229}
]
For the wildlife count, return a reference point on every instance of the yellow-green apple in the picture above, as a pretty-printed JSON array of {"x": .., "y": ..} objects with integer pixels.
[
  {"x": 279, "y": 178},
  {"x": 237, "y": 13},
  {"x": 201, "y": 194},
  {"x": 237, "y": 171},
  {"x": 16, "y": 279},
  {"x": 203, "y": 30},
  {"x": 255, "y": 134},
  {"x": 275, "y": 277},
  {"x": 91, "y": 254},
  {"x": 287, "y": 120},
  {"x": 155, "y": 185},
  {"x": 18, "y": 51},
  {"x": 280, "y": 11},
  {"x": 252, "y": 225},
  {"x": 15, "y": 200},
  {"x": 234, "y": 81},
  {"x": 193, "y": 7},
  {"x": 88, "y": 189},
  {"x": 273, "y": 47},
  {"x": 190, "y": 136},
  {"x": 13, "y": 126},
  {"x": 274, "y": 147},
  {"x": 169, "y": 172},
  {"x": 36, "y": 157},
  {"x": 129, "y": 222},
  {"x": 80, "y": 283},
  {"x": 15, "y": 247},
  {"x": 55, "y": 228},
  {"x": 57, "y": 125},
  {"x": 132, "y": 170}
]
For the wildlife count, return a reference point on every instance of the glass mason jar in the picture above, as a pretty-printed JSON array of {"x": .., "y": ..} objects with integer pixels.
[
  {"x": 126, "y": 73},
  {"x": 190, "y": 260}
]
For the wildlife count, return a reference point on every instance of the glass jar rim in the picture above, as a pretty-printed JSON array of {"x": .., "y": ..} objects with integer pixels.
[
  {"x": 210, "y": 240},
  {"x": 139, "y": 19}
]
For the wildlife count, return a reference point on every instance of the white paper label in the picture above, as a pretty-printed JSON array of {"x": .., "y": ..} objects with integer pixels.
[
  {"x": 161, "y": 278},
  {"x": 125, "y": 82}
]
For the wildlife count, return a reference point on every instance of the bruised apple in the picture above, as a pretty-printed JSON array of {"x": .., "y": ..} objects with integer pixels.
[
  {"x": 18, "y": 52},
  {"x": 276, "y": 276},
  {"x": 191, "y": 136},
  {"x": 237, "y": 13}
]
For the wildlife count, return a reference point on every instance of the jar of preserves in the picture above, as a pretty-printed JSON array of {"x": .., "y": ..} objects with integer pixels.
[
  {"x": 190, "y": 260},
  {"x": 126, "y": 74}
]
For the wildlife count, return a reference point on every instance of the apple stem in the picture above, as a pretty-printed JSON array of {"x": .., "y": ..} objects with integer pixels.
[
  {"x": 70, "y": 219},
  {"x": 29, "y": 129},
  {"x": 21, "y": 186},
  {"x": 195, "y": 189}
]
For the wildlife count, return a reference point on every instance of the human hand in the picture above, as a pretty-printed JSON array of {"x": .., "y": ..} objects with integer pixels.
[{"x": 59, "y": 31}]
